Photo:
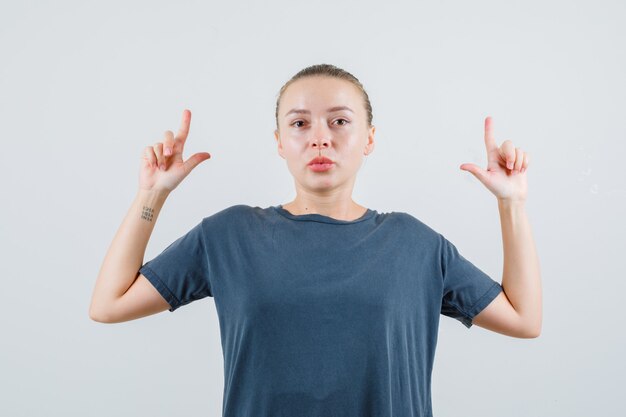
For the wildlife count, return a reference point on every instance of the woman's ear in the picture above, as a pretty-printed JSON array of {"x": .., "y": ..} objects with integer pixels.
[
  {"x": 280, "y": 145},
  {"x": 370, "y": 141}
]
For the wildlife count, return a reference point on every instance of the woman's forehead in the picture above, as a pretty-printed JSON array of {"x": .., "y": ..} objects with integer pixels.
[{"x": 315, "y": 94}]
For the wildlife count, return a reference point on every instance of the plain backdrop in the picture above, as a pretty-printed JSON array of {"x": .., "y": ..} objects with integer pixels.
[{"x": 86, "y": 85}]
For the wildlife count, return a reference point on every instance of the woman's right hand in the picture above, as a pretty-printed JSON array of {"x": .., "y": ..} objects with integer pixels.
[{"x": 154, "y": 178}]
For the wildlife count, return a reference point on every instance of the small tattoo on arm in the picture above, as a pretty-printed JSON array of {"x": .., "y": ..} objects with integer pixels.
[{"x": 147, "y": 213}]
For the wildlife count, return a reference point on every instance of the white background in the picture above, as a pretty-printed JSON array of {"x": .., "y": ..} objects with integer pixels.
[{"x": 85, "y": 86}]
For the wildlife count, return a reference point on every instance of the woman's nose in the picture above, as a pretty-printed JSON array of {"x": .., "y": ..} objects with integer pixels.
[
  {"x": 320, "y": 137},
  {"x": 320, "y": 143}
]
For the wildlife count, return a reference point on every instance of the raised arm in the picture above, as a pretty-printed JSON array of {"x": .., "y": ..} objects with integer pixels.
[
  {"x": 120, "y": 292},
  {"x": 517, "y": 311}
]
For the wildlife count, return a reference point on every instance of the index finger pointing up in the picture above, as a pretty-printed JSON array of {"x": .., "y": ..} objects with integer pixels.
[
  {"x": 184, "y": 126},
  {"x": 490, "y": 140}
]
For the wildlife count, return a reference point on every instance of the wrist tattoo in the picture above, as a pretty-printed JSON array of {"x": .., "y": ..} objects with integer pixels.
[{"x": 147, "y": 213}]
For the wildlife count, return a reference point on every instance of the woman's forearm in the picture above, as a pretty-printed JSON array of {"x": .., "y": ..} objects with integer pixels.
[
  {"x": 125, "y": 255},
  {"x": 521, "y": 277}
]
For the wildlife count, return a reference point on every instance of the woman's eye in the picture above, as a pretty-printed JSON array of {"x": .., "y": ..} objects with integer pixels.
[{"x": 300, "y": 121}]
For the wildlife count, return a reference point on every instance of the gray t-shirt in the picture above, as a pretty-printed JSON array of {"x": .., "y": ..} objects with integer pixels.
[{"x": 323, "y": 317}]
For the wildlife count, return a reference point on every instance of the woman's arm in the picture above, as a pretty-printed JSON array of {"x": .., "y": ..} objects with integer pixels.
[
  {"x": 517, "y": 311},
  {"x": 161, "y": 171},
  {"x": 125, "y": 255},
  {"x": 521, "y": 276}
]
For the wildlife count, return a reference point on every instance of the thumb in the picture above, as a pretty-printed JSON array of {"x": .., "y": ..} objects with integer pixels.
[
  {"x": 195, "y": 159},
  {"x": 475, "y": 170}
]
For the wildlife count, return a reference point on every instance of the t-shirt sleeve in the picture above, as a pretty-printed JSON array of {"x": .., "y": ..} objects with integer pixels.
[
  {"x": 467, "y": 290},
  {"x": 181, "y": 271}
]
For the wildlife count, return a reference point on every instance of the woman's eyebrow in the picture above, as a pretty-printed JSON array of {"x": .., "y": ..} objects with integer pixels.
[{"x": 332, "y": 109}]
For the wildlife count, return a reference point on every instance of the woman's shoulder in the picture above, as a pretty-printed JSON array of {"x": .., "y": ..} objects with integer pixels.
[
  {"x": 409, "y": 222},
  {"x": 238, "y": 214}
]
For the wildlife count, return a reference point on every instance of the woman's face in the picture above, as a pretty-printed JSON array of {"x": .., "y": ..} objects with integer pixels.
[{"x": 311, "y": 124}]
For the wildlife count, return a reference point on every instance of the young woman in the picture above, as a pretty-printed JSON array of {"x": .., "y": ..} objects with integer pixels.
[{"x": 326, "y": 307}]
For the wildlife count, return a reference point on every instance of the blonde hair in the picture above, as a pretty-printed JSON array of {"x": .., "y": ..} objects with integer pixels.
[{"x": 328, "y": 70}]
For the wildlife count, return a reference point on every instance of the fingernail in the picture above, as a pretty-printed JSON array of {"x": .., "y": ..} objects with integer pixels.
[
  {"x": 509, "y": 165},
  {"x": 168, "y": 151},
  {"x": 162, "y": 167}
]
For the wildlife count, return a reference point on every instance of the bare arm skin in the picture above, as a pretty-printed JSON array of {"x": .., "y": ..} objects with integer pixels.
[
  {"x": 516, "y": 311},
  {"x": 124, "y": 258},
  {"x": 121, "y": 293}
]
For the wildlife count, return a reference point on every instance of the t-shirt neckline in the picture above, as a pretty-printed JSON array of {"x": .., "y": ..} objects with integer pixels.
[{"x": 316, "y": 217}]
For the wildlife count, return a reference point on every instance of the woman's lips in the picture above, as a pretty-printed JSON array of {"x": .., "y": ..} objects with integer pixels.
[{"x": 320, "y": 167}]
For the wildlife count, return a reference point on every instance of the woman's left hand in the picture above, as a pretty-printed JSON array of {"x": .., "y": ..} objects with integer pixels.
[{"x": 505, "y": 175}]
